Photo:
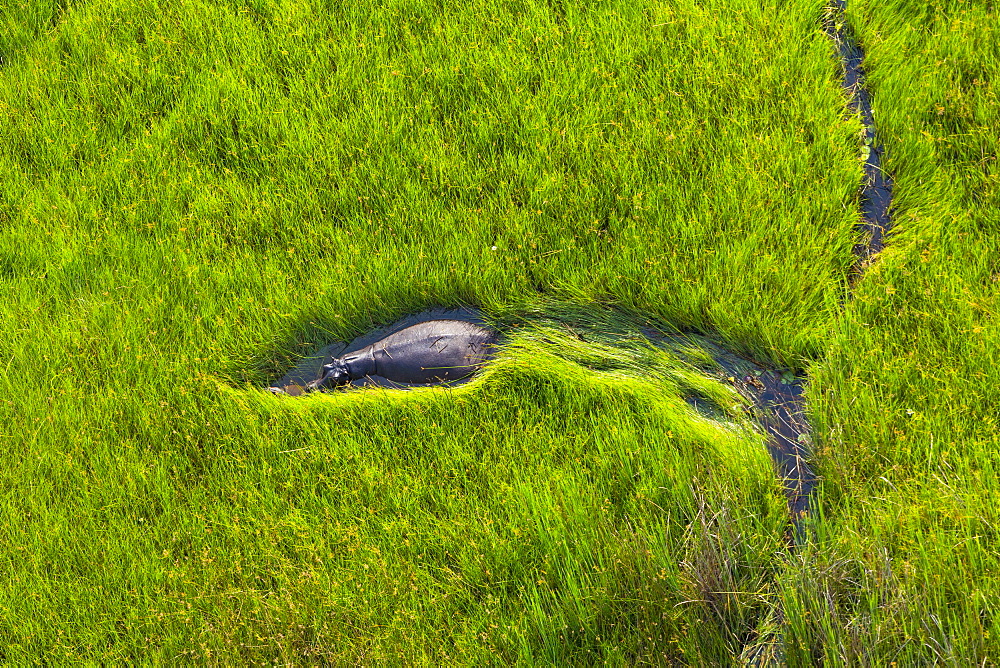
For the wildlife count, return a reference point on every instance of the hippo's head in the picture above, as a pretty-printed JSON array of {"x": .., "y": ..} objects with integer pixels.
[{"x": 334, "y": 374}]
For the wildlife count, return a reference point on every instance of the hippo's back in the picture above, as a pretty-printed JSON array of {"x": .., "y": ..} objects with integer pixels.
[{"x": 432, "y": 351}]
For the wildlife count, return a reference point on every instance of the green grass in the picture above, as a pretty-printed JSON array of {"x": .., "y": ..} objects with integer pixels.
[
  {"x": 906, "y": 399},
  {"x": 194, "y": 195},
  {"x": 345, "y": 165},
  {"x": 567, "y": 506}
]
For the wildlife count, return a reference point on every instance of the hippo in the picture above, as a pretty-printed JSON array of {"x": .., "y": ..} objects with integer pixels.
[{"x": 434, "y": 351}]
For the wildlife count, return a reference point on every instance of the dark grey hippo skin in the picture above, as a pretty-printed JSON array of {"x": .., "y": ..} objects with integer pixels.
[
  {"x": 429, "y": 352},
  {"x": 310, "y": 367}
]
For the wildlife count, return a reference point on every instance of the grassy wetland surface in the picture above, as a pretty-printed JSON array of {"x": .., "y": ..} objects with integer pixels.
[
  {"x": 194, "y": 194},
  {"x": 907, "y": 398}
]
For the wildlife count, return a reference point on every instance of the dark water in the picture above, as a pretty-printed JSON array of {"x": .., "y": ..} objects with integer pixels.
[
  {"x": 777, "y": 395},
  {"x": 780, "y": 412},
  {"x": 778, "y": 408},
  {"x": 876, "y": 193}
]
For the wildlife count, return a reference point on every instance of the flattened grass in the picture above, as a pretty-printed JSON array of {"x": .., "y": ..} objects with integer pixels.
[{"x": 548, "y": 511}]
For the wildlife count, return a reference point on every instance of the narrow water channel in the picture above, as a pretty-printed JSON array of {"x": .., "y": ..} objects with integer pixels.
[
  {"x": 778, "y": 398},
  {"x": 876, "y": 193},
  {"x": 779, "y": 410}
]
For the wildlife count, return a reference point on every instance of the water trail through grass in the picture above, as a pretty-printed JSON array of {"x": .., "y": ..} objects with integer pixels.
[
  {"x": 876, "y": 192},
  {"x": 774, "y": 397},
  {"x": 777, "y": 396},
  {"x": 899, "y": 569},
  {"x": 684, "y": 385},
  {"x": 188, "y": 188},
  {"x": 779, "y": 411},
  {"x": 776, "y": 406}
]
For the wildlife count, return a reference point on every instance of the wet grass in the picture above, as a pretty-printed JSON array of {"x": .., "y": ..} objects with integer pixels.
[{"x": 568, "y": 505}]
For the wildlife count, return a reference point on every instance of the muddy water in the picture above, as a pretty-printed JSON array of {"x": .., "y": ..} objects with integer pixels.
[
  {"x": 778, "y": 408},
  {"x": 876, "y": 193}
]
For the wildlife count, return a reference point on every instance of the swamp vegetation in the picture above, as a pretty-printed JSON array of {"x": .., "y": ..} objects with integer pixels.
[{"x": 195, "y": 195}]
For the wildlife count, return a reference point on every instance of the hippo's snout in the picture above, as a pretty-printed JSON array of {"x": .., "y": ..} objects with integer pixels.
[{"x": 334, "y": 374}]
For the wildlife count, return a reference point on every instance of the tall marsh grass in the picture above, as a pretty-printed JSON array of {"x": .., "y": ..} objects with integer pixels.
[
  {"x": 195, "y": 194},
  {"x": 906, "y": 397}
]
